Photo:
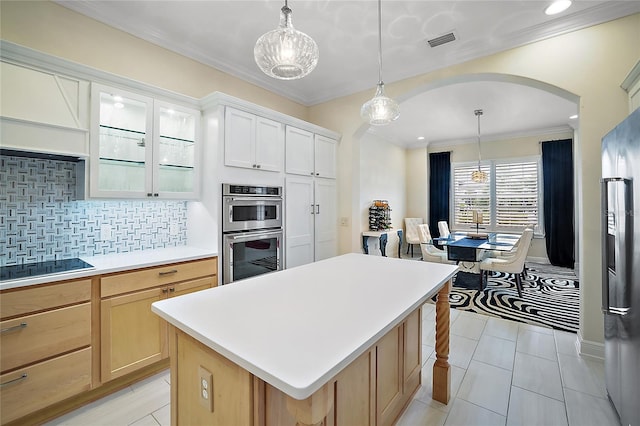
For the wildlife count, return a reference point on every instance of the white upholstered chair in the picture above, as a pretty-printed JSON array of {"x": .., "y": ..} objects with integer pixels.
[
  {"x": 430, "y": 253},
  {"x": 411, "y": 232},
  {"x": 513, "y": 264},
  {"x": 443, "y": 228}
]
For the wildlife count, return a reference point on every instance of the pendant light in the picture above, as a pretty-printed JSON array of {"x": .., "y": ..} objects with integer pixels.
[
  {"x": 479, "y": 176},
  {"x": 380, "y": 110},
  {"x": 286, "y": 53}
]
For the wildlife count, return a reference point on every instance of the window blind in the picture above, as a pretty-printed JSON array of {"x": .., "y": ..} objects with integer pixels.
[
  {"x": 509, "y": 200},
  {"x": 470, "y": 196},
  {"x": 516, "y": 194}
]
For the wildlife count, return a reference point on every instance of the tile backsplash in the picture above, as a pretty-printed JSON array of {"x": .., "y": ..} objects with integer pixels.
[{"x": 40, "y": 219}]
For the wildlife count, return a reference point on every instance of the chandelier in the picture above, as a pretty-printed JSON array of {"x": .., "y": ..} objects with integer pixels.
[
  {"x": 286, "y": 53},
  {"x": 380, "y": 110},
  {"x": 479, "y": 176}
]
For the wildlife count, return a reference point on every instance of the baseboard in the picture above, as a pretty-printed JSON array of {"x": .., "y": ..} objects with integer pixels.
[{"x": 588, "y": 348}]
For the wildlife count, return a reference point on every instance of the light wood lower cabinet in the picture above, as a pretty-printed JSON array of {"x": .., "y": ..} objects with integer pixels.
[
  {"x": 372, "y": 390},
  {"x": 62, "y": 343},
  {"x": 38, "y": 336},
  {"x": 39, "y": 385},
  {"x": 45, "y": 346},
  {"x": 131, "y": 335}
]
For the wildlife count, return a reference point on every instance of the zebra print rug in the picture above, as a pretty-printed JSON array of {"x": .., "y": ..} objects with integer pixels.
[{"x": 550, "y": 297}]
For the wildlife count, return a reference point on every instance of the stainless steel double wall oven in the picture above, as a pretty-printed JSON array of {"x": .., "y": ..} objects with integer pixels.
[{"x": 251, "y": 231}]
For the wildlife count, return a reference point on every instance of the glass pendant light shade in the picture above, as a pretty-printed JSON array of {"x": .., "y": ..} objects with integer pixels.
[
  {"x": 479, "y": 176},
  {"x": 380, "y": 110},
  {"x": 286, "y": 53}
]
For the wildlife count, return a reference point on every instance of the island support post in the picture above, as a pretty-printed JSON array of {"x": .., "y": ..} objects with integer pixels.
[{"x": 441, "y": 368}]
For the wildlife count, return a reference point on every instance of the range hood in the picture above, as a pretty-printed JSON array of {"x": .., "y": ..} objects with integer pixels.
[{"x": 42, "y": 112}]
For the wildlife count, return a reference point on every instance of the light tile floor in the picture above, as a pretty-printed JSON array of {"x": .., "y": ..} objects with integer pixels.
[{"x": 502, "y": 373}]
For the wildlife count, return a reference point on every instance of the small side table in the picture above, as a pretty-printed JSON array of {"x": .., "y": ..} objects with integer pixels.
[{"x": 382, "y": 236}]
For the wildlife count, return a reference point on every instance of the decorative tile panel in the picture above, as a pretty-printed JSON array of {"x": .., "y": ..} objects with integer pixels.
[{"x": 39, "y": 219}]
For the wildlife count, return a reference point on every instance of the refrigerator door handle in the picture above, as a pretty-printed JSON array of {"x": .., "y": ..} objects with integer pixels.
[{"x": 606, "y": 305}]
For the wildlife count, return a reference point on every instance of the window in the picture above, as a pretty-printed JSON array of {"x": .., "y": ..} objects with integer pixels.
[{"x": 510, "y": 200}]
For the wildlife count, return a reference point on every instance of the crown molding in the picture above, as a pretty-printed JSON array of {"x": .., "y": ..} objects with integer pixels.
[
  {"x": 580, "y": 20},
  {"x": 152, "y": 35},
  {"x": 216, "y": 99}
]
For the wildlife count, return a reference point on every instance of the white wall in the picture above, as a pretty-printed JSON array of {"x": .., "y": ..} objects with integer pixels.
[{"x": 382, "y": 177}]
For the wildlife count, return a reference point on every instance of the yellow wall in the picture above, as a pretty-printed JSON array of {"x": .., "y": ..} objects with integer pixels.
[
  {"x": 58, "y": 31},
  {"x": 589, "y": 63}
]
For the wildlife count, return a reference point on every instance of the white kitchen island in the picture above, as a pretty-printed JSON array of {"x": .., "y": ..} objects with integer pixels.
[{"x": 336, "y": 341}]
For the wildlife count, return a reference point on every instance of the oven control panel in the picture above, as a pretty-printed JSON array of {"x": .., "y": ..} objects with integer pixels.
[{"x": 230, "y": 189}]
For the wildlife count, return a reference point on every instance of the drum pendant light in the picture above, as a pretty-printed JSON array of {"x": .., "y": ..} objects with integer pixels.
[
  {"x": 286, "y": 53},
  {"x": 380, "y": 110}
]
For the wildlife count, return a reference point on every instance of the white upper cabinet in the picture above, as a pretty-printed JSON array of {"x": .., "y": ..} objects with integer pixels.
[
  {"x": 43, "y": 111},
  {"x": 142, "y": 148},
  {"x": 252, "y": 142},
  {"x": 299, "y": 151},
  {"x": 310, "y": 154},
  {"x": 325, "y": 157}
]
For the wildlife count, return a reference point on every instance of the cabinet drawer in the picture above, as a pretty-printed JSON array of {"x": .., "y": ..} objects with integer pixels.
[
  {"x": 31, "y": 338},
  {"x": 33, "y": 299},
  {"x": 45, "y": 383},
  {"x": 111, "y": 285}
]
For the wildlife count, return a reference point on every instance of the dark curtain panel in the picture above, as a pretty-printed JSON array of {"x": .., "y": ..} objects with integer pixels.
[
  {"x": 557, "y": 172},
  {"x": 439, "y": 187}
]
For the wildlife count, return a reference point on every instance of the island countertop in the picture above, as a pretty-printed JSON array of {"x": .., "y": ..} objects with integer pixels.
[{"x": 296, "y": 329}]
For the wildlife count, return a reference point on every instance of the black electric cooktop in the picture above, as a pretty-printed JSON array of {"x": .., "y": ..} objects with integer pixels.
[{"x": 29, "y": 270}]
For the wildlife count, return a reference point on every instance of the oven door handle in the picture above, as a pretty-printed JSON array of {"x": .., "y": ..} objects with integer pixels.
[
  {"x": 261, "y": 198},
  {"x": 254, "y": 235}
]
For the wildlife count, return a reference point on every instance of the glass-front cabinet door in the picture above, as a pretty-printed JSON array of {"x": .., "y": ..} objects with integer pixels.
[
  {"x": 142, "y": 148},
  {"x": 175, "y": 159}
]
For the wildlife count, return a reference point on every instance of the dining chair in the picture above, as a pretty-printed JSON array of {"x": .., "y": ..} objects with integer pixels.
[
  {"x": 509, "y": 264},
  {"x": 443, "y": 228},
  {"x": 411, "y": 232},
  {"x": 430, "y": 253}
]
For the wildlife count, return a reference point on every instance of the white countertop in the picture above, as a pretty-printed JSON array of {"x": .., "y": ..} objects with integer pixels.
[
  {"x": 379, "y": 233},
  {"x": 118, "y": 262},
  {"x": 297, "y": 328}
]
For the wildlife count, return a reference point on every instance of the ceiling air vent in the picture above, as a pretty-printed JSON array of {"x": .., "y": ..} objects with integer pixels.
[{"x": 443, "y": 39}]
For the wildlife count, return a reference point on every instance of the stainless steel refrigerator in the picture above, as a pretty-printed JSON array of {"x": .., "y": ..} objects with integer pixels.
[{"x": 621, "y": 266}]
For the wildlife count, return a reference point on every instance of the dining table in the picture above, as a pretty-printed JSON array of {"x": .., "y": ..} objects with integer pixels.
[{"x": 468, "y": 250}]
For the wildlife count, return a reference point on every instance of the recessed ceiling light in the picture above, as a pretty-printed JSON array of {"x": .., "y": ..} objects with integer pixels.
[
  {"x": 420, "y": 138},
  {"x": 117, "y": 98},
  {"x": 557, "y": 7},
  {"x": 573, "y": 117}
]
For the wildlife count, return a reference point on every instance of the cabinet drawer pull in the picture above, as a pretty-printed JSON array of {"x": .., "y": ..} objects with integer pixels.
[
  {"x": 171, "y": 272},
  {"x": 172, "y": 289},
  {"x": 14, "y": 328},
  {"x": 164, "y": 290},
  {"x": 24, "y": 376}
]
